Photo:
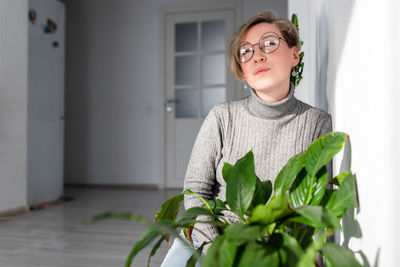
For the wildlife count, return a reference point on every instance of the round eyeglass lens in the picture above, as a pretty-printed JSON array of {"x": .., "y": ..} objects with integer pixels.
[
  {"x": 246, "y": 52},
  {"x": 269, "y": 42}
]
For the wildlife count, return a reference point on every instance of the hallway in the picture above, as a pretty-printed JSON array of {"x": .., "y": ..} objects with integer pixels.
[{"x": 57, "y": 237}]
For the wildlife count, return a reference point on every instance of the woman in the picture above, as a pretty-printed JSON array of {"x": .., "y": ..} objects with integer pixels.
[{"x": 271, "y": 121}]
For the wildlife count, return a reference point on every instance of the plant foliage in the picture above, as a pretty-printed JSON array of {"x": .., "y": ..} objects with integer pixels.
[
  {"x": 287, "y": 227},
  {"x": 297, "y": 73}
]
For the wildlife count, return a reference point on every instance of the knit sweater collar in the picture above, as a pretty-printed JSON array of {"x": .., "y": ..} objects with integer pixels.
[{"x": 272, "y": 110}]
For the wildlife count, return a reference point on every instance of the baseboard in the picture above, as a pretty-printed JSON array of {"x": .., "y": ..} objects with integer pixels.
[{"x": 14, "y": 212}]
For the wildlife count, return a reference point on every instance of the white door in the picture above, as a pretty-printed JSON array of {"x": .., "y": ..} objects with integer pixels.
[
  {"x": 197, "y": 78},
  {"x": 46, "y": 101}
]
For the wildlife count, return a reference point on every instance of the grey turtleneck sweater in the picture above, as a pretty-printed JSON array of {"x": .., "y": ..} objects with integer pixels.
[{"x": 273, "y": 131}]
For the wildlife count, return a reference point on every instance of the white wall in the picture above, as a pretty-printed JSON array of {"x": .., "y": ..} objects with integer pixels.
[
  {"x": 356, "y": 53},
  {"x": 45, "y": 103},
  {"x": 113, "y": 116},
  {"x": 252, "y": 7},
  {"x": 13, "y": 103},
  {"x": 365, "y": 104}
]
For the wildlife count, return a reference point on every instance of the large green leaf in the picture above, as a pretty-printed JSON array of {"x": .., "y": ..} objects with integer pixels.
[
  {"x": 259, "y": 254},
  {"x": 148, "y": 236},
  {"x": 211, "y": 258},
  {"x": 242, "y": 184},
  {"x": 118, "y": 215},
  {"x": 319, "y": 187},
  {"x": 170, "y": 208},
  {"x": 262, "y": 193},
  {"x": 227, "y": 253},
  {"x": 163, "y": 228},
  {"x": 189, "y": 216},
  {"x": 221, "y": 253},
  {"x": 289, "y": 249},
  {"x": 319, "y": 217},
  {"x": 345, "y": 197},
  {"x": 154, "y": 249},
  {"x": 195, "y": 257},
  {"x": 276, "y": 208},
  {"x": 337, "y": 256},
  {"x": 241, "y": 233},
  {"x": 327, "y": 196},
  {"x": 338, "y": 180},
  {"x": 300, "y": 220},
  {"x": 301, "y": 190},
  {"x": 226, "y": 171},
  {"x": 321, "y": 151},
  {"x": 288, "y": 173}
]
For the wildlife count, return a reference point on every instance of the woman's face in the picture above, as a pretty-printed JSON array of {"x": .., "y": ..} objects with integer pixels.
[{"x": 269, "y": 74}]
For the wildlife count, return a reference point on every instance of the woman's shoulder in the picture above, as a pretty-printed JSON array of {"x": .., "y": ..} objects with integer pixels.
[
  {"x": 312, "y": 112},
  {"x": 225, "y": 113},
  {"x": 229, "y": 108}
]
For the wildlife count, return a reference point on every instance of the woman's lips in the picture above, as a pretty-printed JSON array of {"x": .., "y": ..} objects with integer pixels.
[{"x": 261, "y": 71}]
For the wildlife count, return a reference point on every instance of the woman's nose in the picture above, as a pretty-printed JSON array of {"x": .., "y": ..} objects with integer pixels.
[{"x": 258, "y": 54}]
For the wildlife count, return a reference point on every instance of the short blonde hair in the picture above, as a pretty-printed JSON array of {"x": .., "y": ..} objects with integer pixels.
[{"x": 288, "y": 30}]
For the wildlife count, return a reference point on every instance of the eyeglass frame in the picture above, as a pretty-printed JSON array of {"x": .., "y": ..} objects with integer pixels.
[{"x": 258, "y": 43}]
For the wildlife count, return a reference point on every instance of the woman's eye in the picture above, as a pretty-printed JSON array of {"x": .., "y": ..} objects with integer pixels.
[
  {"x": 245, "y": 51},
  {"x": 269, "y": 43}
]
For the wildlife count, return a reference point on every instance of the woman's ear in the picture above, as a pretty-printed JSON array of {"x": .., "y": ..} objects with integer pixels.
[{"x": 295, "y": 56}]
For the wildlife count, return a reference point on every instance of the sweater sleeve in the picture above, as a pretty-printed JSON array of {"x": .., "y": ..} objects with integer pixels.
[
  {"x": 324, "y": 126},
  {"x": 201, "y": 172}
]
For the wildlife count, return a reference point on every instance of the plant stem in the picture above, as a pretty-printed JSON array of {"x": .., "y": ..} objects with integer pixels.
[
  {"x": 295, "y": 230},
  {"x": 303, "y": 234},
  {"x": 205, "y": 202}
]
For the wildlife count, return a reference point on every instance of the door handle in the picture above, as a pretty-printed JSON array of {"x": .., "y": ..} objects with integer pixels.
[{"x": 169, "y": 104}]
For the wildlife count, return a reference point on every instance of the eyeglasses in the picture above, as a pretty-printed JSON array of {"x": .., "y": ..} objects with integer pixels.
[{"x": 268, "y": 43}]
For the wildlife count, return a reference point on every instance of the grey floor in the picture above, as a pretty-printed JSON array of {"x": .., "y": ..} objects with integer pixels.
[{"x": 57, "y": 237}]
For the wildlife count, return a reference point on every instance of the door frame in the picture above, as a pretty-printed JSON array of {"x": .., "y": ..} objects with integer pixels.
[{"x": 163, "y": 13}]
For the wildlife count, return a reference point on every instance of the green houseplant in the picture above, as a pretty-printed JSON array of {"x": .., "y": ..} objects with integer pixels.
[
  {"x": 287, "y": 226},
  {"x": 297, "y": 73}
]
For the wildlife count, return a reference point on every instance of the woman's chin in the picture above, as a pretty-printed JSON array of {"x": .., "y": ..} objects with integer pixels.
[{"x": 263, "y": 87}]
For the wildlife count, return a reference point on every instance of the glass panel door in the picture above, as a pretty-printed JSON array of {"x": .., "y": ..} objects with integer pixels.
[
  {"x": 197, "y": 78},
  {"x": 200, "y": 67}
]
